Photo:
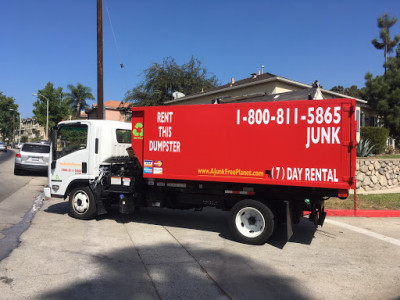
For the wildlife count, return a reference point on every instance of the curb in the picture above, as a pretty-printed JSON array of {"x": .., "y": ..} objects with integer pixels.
[{"x": 363, "y": 213}]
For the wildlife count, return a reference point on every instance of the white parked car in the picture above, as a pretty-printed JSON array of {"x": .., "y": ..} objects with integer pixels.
[
  {"x": 32, "y": 157},
  {"x": 3, "y": 147}
]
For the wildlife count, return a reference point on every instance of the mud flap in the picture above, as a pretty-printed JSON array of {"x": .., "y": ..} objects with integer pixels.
[
  {"x": 101, "y": 210},
  {"x": 318, "y": 214},
  {"x": 289, "y": 221},
  {"x": 322, "y": 214}
]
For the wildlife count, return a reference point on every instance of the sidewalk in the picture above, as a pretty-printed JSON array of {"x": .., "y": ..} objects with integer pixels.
[{"x": 394, "y": 190}]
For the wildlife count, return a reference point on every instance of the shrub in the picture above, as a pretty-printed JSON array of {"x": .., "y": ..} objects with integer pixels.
[
  {"x": 390, "y": 150},
  {"x": 364, "y": 148},
  {"x": 378, "y": 137}
]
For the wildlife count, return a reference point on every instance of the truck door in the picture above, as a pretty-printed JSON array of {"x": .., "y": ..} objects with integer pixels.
[
  {"x": 70, "y": 153},
  {"x": 349, "y": 144}
]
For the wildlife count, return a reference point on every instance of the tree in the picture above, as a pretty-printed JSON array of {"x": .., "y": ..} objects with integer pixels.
[
  {"x": 352, "y": 91},
  {"x": 58, "y": 107},
  {"x": 383, "y": 94},
  {"x": 384, "y": 23},
  {"x": 338, "y": 89},
  {"x": 78, "y": 96},
  {"x": 161, "y": 80},
  {"x": 8, "y": 117}
]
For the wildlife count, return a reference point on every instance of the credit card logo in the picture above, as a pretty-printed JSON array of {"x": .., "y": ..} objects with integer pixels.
[
  {"x": 148, "y": 170},
  {"x": 158, "y": 171},
  {"x": 148, "y": 163},
  {"x": 158, "y": 163}
]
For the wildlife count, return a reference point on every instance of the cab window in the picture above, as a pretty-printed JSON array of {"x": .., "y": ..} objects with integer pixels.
[
  {"x": 71, "y": 138},
  {"x": 124, "y": 136}
]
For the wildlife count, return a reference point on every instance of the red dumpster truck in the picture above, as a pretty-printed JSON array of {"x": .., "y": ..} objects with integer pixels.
[{"x": 264, "y": 162}]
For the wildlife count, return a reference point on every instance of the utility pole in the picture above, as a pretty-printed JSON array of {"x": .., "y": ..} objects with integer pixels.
[{"x": 100, "y": 80}]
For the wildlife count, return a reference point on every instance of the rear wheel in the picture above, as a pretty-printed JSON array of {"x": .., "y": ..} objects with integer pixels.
[
  {"x": 82, "y": 204},
  {"x": 251, "y": 222},
  {"x": 17, "y": 171}
]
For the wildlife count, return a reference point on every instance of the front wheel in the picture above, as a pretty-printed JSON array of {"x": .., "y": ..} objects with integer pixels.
[
  {"x": 82, "y": 204},
  {"x": 251, "y": 222}
]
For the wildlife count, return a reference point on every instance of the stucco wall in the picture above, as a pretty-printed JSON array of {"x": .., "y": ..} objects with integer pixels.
[
  {"x": 377, "y": 174},
  {"x": 114, "y": 115}
]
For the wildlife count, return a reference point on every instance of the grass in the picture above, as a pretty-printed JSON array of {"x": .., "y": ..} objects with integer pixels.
[
  {"x": 386, "y": 156},
  {"x": 375, "y": 201},
  {"x": 382, "y": 156}
]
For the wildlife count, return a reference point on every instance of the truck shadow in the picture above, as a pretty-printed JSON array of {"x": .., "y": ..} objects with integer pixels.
[
  {"x": 60, "y": 208},
  {"x": 136, "y": 273},
  {"x": 210, "y": 219}
]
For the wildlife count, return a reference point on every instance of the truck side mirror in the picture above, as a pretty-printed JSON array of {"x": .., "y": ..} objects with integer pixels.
[{"x": 53, "y": 164}]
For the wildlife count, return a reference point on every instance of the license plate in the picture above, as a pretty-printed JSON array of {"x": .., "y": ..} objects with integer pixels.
[{"x": 35, "y": 158}]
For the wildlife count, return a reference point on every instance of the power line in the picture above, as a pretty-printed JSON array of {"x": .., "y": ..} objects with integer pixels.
[{"x": 116, "y": 46}]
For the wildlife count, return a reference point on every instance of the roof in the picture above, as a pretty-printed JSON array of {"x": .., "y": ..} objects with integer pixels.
[
  {"x": 110, "y": 104},
  {"x": 310, "y": 94},
  {"x": 255, "y": 80},
  {"x": 241, "y": 82},
  {"x": 113, "y": 104},
  {"x": 99, "y": 123}
]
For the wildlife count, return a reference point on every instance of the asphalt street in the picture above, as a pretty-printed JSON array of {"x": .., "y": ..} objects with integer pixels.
[
  {"x": 19, "y": 199},
  {"x": 8, "y": 182}
]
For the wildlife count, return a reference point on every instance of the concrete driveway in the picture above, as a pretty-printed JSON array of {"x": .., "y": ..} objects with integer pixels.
[{"x": 167, "y": 254}]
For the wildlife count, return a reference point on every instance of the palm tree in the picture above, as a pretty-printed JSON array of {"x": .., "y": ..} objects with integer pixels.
[
  {"x": 384, "y": 23},
  {"x": 78, "y": 96}
]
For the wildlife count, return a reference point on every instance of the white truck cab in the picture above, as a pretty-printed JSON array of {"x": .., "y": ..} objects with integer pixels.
[{"x": 80, "y": 148}]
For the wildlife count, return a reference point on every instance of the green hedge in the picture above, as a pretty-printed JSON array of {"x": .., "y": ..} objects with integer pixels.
[{"x": 378, "y": 137}]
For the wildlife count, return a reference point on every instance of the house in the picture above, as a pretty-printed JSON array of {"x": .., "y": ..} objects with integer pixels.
[
  {"x": 114, "y": 110},
  {"x": 270, "y": 87},
  {"x": 30, "y": 129}
]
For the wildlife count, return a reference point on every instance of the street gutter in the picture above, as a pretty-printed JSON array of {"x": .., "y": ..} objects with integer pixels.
[{"x": 10, "y": 241}]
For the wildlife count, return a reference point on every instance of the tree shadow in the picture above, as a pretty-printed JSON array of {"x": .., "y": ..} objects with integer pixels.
[{"x": 137, "y": 273}]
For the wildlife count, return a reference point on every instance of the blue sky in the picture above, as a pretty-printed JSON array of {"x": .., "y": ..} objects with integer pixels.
[{"x": 55, "y": 40}]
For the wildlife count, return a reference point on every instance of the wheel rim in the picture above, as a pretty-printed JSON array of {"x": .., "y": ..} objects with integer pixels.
[
  {"x": 81, "y": 202},
  {"x": 250, "y": 222}
]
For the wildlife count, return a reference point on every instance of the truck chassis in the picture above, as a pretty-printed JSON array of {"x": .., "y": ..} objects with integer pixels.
[{"x": 255, "y": 210}]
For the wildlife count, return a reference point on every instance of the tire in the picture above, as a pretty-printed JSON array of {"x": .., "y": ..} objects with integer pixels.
[
  {"x": 82, "y": 204},
  {"x": 17, "y": 171},
  {"x": 251, "y": 222}
]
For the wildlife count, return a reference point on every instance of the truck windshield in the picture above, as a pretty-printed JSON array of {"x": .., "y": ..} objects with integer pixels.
[{"x": 71, "y": 138}]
